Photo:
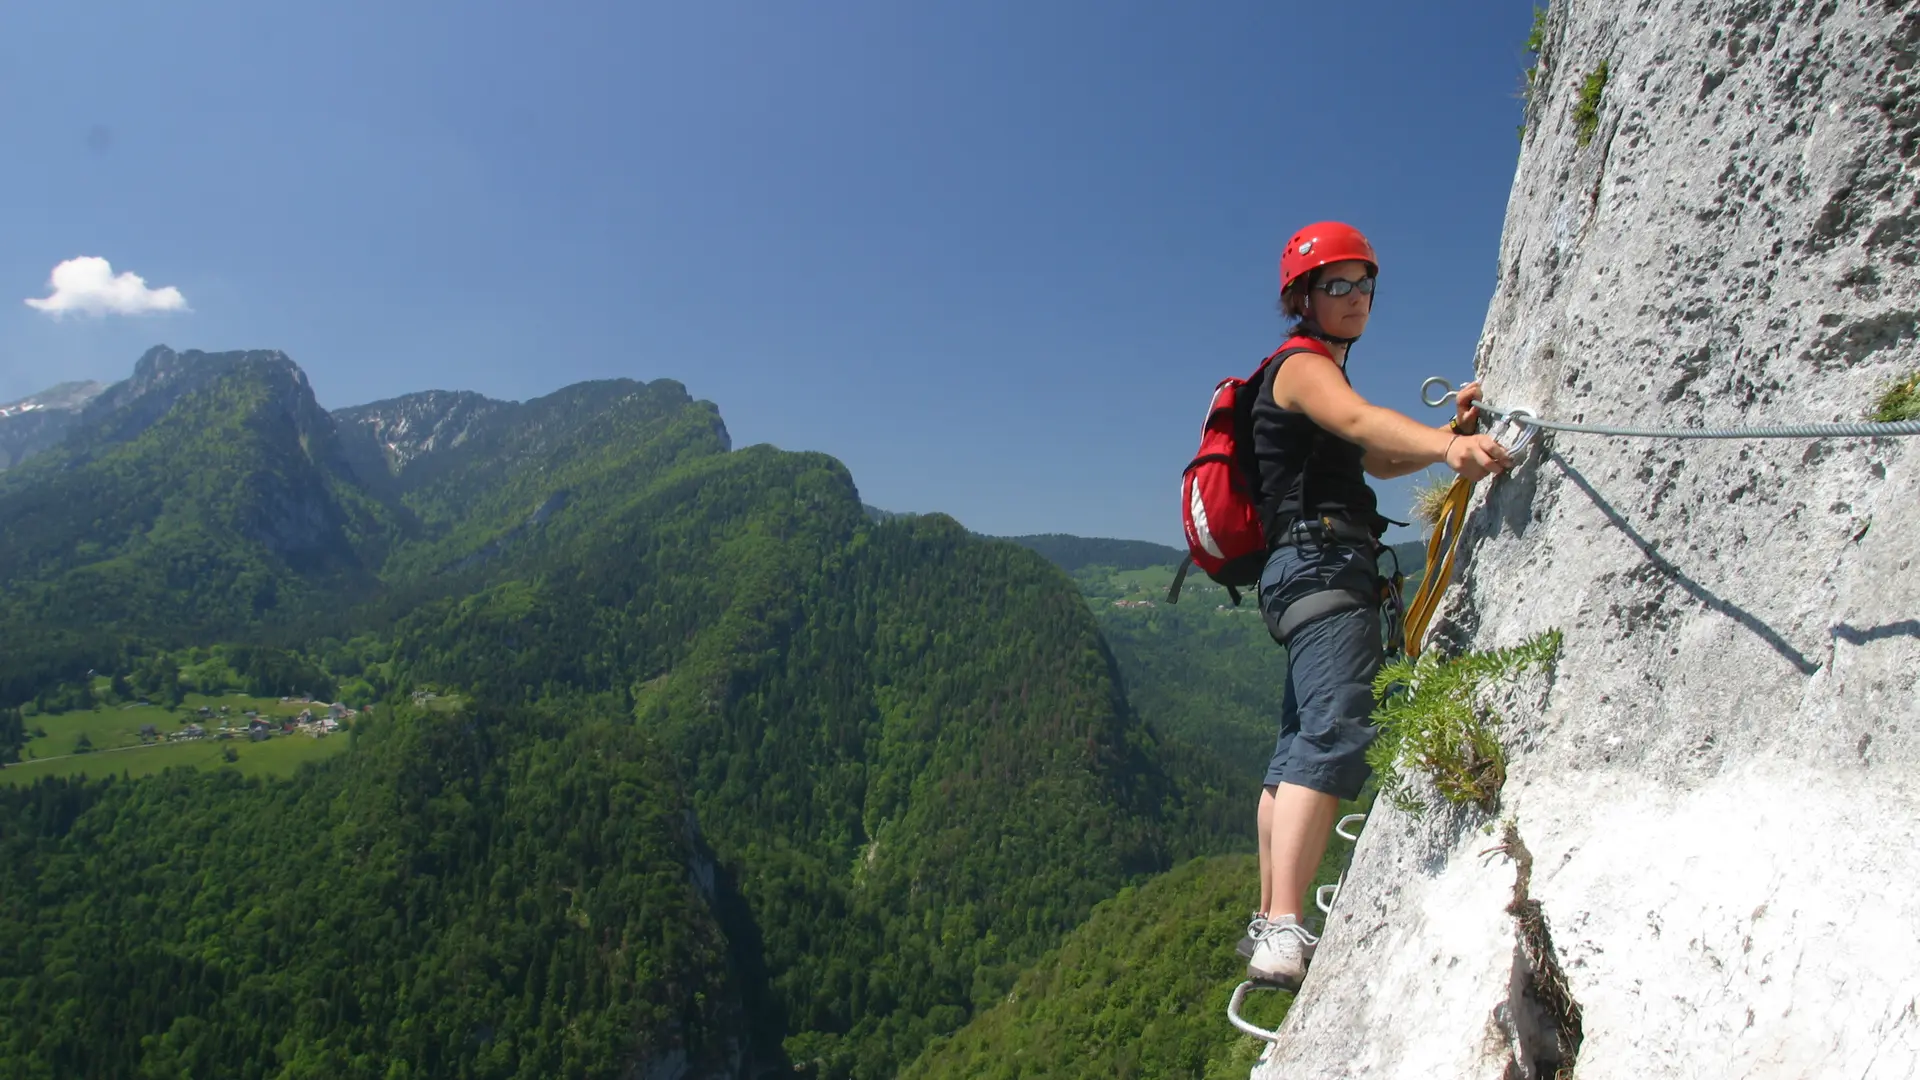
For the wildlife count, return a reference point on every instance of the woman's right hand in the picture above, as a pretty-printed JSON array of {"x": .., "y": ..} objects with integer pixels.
[{"x": 1478, "y": 456}]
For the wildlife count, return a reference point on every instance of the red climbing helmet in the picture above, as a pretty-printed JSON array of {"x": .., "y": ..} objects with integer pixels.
[{"x": 1321, "y": 243}]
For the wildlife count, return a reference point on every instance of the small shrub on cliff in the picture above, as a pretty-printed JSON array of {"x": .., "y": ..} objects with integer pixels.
[
  {"x": 1586, "y": 112},
  {"x": 1429, "y": 722},
  {"x": 1430, "y": 497},
  {"x": 1899, "y": 401},
  {"x": 1536, "y": 37}
]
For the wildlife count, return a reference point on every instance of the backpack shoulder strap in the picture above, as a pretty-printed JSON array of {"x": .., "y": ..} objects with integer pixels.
[
  {"x": 1179, "y": 579},
  {"x": 1271, "y": 505},
  {"x": 1296, "y": 344}
]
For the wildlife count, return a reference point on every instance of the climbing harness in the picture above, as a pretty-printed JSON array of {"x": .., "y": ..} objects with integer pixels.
[
  {"x": 1515, "y": 428},
  {"x": 1323, "y": 898},
  {"x": 1393, "y": 608}
]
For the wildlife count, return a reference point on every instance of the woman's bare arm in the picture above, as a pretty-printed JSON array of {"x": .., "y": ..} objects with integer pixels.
[
  {"x": 1312, "y": 384},
  {"x": 1381, "y": 467}
]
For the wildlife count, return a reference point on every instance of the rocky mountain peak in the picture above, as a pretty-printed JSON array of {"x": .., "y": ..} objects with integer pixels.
[
  {"x": 39, "y": 421},
  {"x": 162, "y": 377},
  {"x": 400, "y": 430},
  {"x": 160, "y": 367},
  {"x": 63, "y": 396}
]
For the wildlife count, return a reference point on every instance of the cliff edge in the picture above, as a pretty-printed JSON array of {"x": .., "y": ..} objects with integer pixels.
[{"x": 1704, "y": 858}]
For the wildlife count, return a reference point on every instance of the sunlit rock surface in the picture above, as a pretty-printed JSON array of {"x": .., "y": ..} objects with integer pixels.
[{"x": 1717, "y": 784}]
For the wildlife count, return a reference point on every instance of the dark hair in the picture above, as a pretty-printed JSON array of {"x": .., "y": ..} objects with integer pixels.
[{"x": 1293, "y": 303}]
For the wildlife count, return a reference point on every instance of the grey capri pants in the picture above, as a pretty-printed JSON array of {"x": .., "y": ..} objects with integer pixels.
[{"x": 1325, "y": 717}]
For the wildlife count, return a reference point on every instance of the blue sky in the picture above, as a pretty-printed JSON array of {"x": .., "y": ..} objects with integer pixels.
[{"x": 991, "y": 255}]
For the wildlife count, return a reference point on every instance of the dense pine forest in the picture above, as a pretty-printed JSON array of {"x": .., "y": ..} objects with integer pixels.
[{"x": 662, "y": 753}]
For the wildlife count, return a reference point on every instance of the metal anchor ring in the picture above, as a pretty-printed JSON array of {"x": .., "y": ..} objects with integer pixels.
[{"x": 1434, "y": 403}]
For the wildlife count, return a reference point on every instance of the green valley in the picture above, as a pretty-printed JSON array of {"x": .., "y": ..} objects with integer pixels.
[{"x": 660, "y": 751}]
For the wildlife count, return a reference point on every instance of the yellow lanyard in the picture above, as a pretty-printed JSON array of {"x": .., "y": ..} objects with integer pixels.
[{"x": 1440, "y": 549}]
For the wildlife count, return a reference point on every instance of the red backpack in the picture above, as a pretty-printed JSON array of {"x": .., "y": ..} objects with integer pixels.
[{"x": 1219, "y": 493}]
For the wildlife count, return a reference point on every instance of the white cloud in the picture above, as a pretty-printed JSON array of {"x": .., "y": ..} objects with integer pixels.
[{"x": 89, "y": 285}]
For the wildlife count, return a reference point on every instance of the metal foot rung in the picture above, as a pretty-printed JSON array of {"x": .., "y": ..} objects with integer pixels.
[
  {"x": 1324, "y": 897},
  {"x": 1233, "y": 1011}
]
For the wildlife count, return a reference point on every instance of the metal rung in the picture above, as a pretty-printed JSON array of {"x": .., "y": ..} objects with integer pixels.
[
  {"x": 1325, "y": 895},
  {"x": 1341, "y": 828},
  {"x": 1233, "y": 1011}
]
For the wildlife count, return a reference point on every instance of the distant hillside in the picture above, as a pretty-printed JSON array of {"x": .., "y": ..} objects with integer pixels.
[
  {"x": 1201, "y": 670},
  {"x": 895, "y": 759},
  {"x": 474, "y": 894},
  {"x": 1071, "y": 553},
  {"x": 1139, "y": 989},
  {"x": 1075, "y": 553}
]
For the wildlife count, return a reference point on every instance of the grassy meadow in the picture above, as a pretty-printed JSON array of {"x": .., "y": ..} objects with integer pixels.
[{"x": 116, "y": 747}]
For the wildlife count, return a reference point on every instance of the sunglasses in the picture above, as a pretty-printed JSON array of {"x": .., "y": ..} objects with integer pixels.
[{"x": 1341, "y": 286}]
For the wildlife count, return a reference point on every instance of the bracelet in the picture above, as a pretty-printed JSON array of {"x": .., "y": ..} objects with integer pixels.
[{"x": 1448, "y": 452}]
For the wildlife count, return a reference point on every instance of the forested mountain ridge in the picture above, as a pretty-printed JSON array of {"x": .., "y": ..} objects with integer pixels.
[
  {"x": 199, "y": 496},
  {"x": 558, "y": 465},
  {"x": 906, "y": 747},
  {"x": 1072, "y": 553}
]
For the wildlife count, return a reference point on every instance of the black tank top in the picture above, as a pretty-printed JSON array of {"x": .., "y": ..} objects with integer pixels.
[{"x": 1306, "y": 471}]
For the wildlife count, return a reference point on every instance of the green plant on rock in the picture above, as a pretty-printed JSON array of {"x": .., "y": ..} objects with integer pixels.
[
  {"x": 1536, "y": 38},
  {"x": 1430, "y": 497},
  {"x": 1429, "y": 723},
  {"x": 1899, "y": 401},
  {"x": 1586, "y": 112}
]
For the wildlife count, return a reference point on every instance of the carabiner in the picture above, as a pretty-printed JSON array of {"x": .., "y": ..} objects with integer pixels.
[{"x": 1515, "y": 432}]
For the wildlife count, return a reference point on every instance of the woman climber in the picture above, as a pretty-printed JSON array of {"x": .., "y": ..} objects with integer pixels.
[{"x": 1314, "y": 438}]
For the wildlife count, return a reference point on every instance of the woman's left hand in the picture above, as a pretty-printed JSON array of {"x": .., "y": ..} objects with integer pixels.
[{"x": 1466, "y": 418}]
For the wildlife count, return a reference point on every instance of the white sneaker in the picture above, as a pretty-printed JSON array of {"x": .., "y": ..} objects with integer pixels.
[
  {"x": 1282, "y": 953},
  {"x": 1255, "y": 931}
]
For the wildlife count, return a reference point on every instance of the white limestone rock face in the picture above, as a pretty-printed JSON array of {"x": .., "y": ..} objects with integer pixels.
[{"x": 1719, "y": 782}]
